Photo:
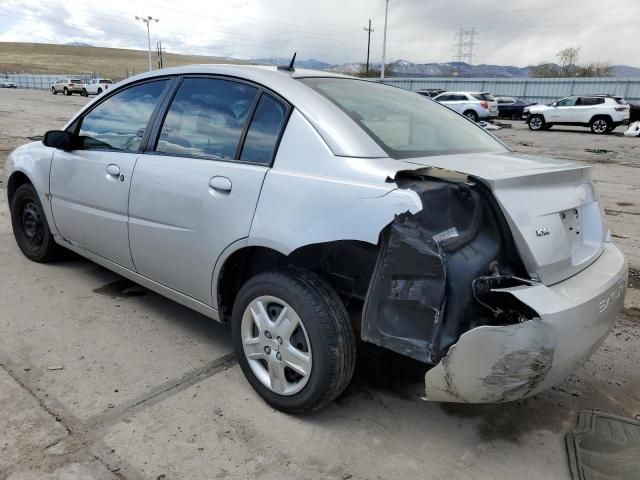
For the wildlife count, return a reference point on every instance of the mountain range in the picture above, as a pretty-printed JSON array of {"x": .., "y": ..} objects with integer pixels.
[{"x": 405, "y": 68}]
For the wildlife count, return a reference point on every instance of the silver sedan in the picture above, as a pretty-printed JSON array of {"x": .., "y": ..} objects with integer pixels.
[{"x": 309, "y": 210}]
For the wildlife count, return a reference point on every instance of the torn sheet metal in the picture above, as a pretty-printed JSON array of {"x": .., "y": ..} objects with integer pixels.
[{"x": 421, "y": 297}]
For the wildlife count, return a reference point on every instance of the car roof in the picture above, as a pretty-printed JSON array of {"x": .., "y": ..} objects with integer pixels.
[{"x": 340, "y": 132}]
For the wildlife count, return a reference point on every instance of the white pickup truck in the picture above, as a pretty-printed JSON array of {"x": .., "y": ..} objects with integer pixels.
[{"x": 96, "y": 86}]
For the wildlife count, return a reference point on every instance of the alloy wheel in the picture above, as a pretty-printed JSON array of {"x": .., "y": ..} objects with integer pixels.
[
  {"x": 600, "y": 126},
  {"x": 535, "y": 123},
  {"x": 276, "y": 345}
]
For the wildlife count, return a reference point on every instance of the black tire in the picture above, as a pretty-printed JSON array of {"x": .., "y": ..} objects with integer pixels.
[
  {"x": 327, "y": 324},
  {"x": 30, "y": 227},
  {"x": 84, "y": 92},
  {"x": 536, "y": 123},
  {"x": 601, "y": 125},
  {"x": 471, "y": 115},
  {"x": 99, "y": 91},
  {"x": 53, "y": 90},
  {"x": 66, "y": 91}
]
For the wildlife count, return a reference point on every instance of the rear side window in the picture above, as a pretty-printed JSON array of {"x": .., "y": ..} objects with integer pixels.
[
  {"x": 487, "y": 97},
  {"x": 586, "y": 101},
  {"x": 119, "y": 122},
  {"x": 206, "y": 118},
  {"x": 264, "y": 132},
  {"x": 400, "y": 122}
]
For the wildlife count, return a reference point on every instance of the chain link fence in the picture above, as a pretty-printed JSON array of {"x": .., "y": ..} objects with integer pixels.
[{"x": 37, "y": 81}]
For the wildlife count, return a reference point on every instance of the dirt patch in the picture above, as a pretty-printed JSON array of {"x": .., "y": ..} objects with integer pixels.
[{"x": 625, "y": 204}]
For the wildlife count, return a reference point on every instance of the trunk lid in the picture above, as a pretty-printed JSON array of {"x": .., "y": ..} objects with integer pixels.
[{"x": 550, "y": 205}]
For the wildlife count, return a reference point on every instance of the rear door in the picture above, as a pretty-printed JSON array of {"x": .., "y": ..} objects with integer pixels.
[
  {"x": 195, "y": 190},
  {"x": 586, "y": 108},
  {"x": 90, "y": 185}
]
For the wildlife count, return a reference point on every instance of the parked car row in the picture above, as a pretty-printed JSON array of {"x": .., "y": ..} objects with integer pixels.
[
  {"x": 69, "y": 86},
  {"x": 601, "y": 113}
]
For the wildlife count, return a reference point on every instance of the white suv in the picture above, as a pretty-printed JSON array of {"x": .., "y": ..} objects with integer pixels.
[
  {"x": 601, "y": 113},
  {"x": 473, "y": 105},
  {"x": 96, "y": 86}
]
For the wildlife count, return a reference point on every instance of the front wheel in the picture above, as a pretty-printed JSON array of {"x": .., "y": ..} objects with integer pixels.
[
  {"x": 84, "y": 92},
  {"x": 30, "y": 227},
  {"x": 293, "y": 339},
  {"x": 536, "y": 122},
  {"x": 601, "y": 125},
  {"x": 53, "y": 90}
]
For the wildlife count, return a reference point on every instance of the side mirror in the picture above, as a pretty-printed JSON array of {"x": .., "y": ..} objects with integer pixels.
[{"x": 60, "y": 139}]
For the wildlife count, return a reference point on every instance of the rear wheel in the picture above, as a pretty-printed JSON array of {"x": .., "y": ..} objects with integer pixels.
[
  {"x": 293, "y": 339},
  {"x": 99, "y": 91},
  {"x": 66, "y": 91},
  {"x": 471, "y": 115},
  {"x": 30, "y": 227},
  {"x": 84, "y": 92},
  {"x": 536, "y": 122},
  {"x": 601, "y": 125}
]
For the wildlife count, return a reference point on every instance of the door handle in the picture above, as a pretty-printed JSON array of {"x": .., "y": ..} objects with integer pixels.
[
  {"x": 220, "y": 184},
  {"x": 113, "y": 170}
]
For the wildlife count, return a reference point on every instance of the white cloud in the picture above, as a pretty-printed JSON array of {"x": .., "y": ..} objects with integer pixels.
[{"x": 517, "y": 33}]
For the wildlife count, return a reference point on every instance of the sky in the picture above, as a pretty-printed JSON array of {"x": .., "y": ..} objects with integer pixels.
[{"x": 516, "y": 32}]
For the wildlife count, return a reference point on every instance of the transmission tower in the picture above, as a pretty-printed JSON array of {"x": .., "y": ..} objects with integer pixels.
[{"x": 465, "y": 43}]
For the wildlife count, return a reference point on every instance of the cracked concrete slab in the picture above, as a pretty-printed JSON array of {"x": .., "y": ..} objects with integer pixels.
[
  {"x": 71, "y": 336},
  {"x": 24, "y": 425}
]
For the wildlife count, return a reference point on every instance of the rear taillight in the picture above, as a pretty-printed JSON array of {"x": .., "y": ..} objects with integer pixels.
[
  {"x": 622, "y": 109},
  {"x": 484, "y": 105}
]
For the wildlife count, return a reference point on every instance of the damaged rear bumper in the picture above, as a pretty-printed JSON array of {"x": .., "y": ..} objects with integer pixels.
[{"x": 492, "y": 364}]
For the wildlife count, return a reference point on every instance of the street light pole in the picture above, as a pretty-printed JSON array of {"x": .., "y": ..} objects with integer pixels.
[
  {"x": 384, "y": 40},
  {"x": 148, "y": 20}
]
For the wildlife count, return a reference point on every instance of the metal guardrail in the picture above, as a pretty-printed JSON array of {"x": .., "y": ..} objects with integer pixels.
[{"x": 541, "y": 90}]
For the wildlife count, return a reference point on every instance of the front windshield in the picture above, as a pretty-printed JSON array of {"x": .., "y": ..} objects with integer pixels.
[{"x": 404, "y": 124}]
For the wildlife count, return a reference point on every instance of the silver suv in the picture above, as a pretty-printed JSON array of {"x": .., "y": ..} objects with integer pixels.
[
  {"x": 308, "y": 209},
  {"x": 473, "y": 105},
  {"x": 601, "y": 113}
]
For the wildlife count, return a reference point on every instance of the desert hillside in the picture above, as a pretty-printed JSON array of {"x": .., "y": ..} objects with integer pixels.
[{"x": 108, "y": 62}]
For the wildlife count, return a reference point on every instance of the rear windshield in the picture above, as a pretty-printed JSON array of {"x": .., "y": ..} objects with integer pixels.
[
  {"x": 404, "y": 124},
  {"x": 73, "y": 80},
  {"x": 106, "y": 81},
  {"x": 487, "y": 97},
  {"x": 620, "y": 100}
]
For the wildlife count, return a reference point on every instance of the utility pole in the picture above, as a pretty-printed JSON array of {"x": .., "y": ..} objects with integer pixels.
[
  {"x": 148, "y": 20},
  {"x": 384, "y": 40},
  {"x": 368, "y": 30}
]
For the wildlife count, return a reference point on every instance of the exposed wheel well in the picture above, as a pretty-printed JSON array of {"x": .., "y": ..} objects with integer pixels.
[
  {"x": 346, "y": 264},
  {"x": 15, "y": 180}
]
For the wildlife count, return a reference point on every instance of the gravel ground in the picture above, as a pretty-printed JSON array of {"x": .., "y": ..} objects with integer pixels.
[{"x": 99, "y": 380}]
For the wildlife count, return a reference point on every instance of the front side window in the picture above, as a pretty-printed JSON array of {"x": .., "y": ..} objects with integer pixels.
[
  {"x": 264, "y": 132},
  {"x": 567, "y": 102},
  {"x": 402, "y": 123},
  {"x": 119, "y": 122},
  {"x": 206, "y": 118}
]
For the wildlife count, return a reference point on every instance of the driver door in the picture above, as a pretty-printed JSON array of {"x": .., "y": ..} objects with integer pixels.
[
  {"x": 90, "y": 184},
  {"x": 564, "y": 111}
]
